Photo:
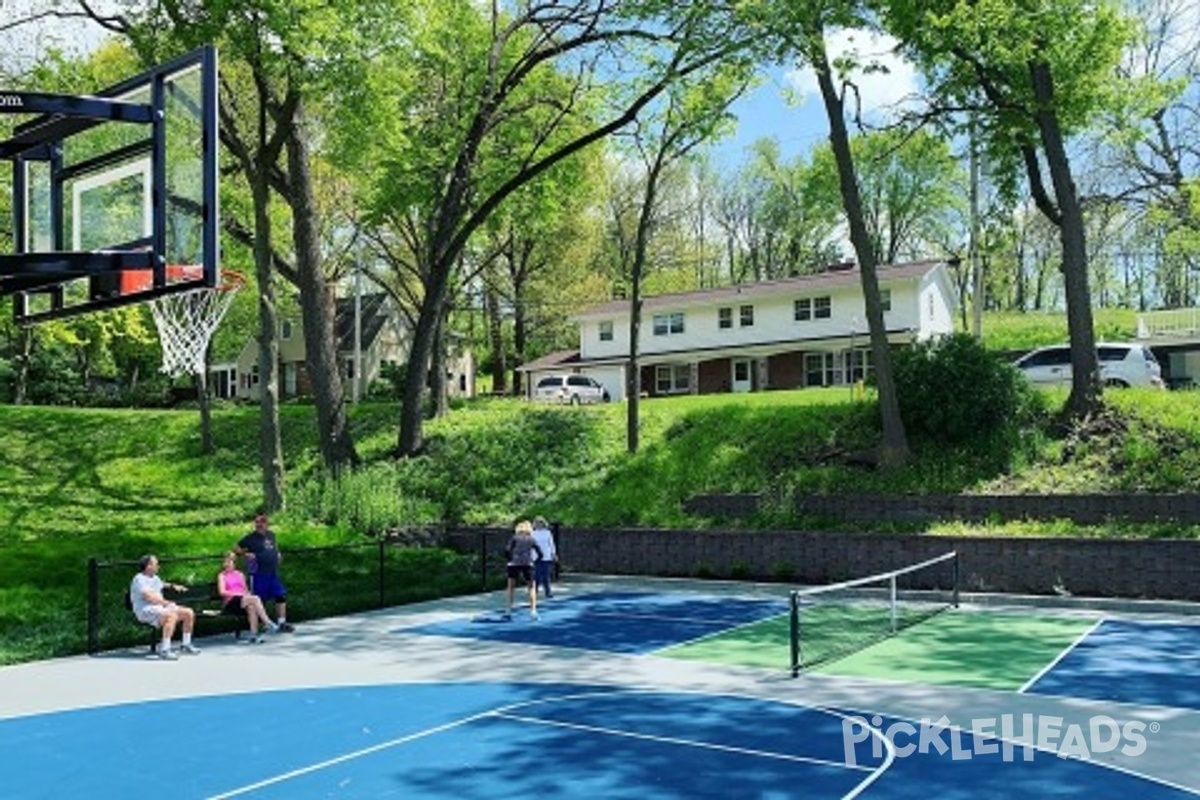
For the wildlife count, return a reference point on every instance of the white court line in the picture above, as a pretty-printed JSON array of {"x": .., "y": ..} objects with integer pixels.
[
  {"x": 504, "y": 713},
  {"x": 1060, "y": 657},
  {"x": 684, "y": 742},
  {"x": 674, "y": 618},
  {"x": 715, "y": 634},
  {"x": 348, "y": 757}
]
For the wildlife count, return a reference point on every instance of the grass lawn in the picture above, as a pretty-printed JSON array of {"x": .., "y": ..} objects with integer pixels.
[{"x": 113, "y": 484}]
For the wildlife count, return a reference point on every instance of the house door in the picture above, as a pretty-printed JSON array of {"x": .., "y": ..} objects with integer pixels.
[
  {"x": 742, "y": 381},
  {"x": 289, "y": 380}
]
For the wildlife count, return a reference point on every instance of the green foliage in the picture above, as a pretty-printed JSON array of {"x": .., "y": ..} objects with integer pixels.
[
  {"x": 113, "y": 484},
  {"x": 1010, "y": 332},
  {"x": 954, "y": 392}
]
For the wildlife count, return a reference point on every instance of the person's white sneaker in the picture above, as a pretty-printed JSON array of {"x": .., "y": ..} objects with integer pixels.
[
  {"x": 168, "y": 655},
  {"x": 190, "y": 649}
]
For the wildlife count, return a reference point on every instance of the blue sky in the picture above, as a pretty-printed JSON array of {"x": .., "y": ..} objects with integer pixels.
[{"x": 788, "y": 108}]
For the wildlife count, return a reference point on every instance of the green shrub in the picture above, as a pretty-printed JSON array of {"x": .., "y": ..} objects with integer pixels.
[{"x": 954, "y": 392}]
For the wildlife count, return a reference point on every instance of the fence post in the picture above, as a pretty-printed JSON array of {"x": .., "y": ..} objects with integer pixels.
[
  {"x": 556, "y": 529},
  {"x": 483, "y": 565},
  {"x": 93, "y": 607},
  {"x": 794, "y": 632},
  {"x": 382, "y": 561}
]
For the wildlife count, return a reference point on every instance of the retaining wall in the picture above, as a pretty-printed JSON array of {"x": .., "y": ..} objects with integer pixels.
[{"x": 1161, "y": 569}]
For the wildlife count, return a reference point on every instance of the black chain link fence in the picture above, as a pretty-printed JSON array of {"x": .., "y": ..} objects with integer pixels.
[{"x": 404, "y": 567}]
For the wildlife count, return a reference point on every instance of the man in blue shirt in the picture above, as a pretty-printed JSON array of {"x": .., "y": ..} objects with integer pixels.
[{"x": 262, "y": 563}]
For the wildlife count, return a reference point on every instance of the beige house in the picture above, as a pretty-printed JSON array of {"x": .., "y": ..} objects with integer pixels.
[{"x": 385, "y": 343}]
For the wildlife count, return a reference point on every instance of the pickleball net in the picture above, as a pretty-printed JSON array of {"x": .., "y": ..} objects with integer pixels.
[{"x": 831, "y": 622}]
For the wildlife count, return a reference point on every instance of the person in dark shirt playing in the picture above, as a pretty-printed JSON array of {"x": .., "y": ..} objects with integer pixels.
[
  {"x": 520, "y": 554},
  {"x": 262, "y": 562}
]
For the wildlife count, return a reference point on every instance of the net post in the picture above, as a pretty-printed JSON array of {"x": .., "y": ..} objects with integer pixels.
[
  {"x": 955, "y": 577},
  {"x": 794, "y": 633},
  {"x": 93, "y": 607}
]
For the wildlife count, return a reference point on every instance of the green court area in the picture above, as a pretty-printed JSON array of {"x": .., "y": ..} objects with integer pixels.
[{"x": 958, "y": 647}]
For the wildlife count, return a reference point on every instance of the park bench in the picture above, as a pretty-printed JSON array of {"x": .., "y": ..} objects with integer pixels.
[{"x": 207, "y": 604}]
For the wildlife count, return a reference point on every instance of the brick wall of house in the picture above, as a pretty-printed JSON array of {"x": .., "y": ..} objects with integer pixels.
[{"x": 713, "y": 376}]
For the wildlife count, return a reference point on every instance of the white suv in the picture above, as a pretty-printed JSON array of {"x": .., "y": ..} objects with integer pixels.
[
  {"x": 1120, "y": 365},
  {"x": 573, "y": 389}
]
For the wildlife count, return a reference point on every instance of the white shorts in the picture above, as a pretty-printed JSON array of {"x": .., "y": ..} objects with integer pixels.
[{"x": 153, "y": 615}]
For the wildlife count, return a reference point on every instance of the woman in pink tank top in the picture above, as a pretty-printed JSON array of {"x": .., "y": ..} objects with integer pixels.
[{"x": 231, "y": 585}]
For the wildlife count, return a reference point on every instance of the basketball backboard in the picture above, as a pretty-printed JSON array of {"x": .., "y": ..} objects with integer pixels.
[{"x": 115, "y": 195}]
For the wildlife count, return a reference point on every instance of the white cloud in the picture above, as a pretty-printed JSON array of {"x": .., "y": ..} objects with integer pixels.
[{"x": 881, "y": 92}]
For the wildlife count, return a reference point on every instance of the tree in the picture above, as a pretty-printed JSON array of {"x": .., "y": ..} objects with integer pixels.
[
  {"x": 910, "y": 186},
  {"x": 461, "y": 80},
  {"x": 798, "y": 31},
  {"x": 1146, "y": 150},
  {"x": 278, "y": 46},
  {"x": 1032, "y": 74}
]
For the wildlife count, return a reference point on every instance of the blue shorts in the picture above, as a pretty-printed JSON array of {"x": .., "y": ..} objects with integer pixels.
[{"x": 268, "y": 587}]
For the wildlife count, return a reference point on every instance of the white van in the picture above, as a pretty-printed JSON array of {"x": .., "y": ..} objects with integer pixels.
[
  {"x": 572, "y": 389},
  {"x": 1120, "y": 365}
]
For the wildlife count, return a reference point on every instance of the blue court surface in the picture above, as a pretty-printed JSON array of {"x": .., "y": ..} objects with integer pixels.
[
  {"x": 614, "y": 622},
  {"x": 505, "y": 740},
  {"x": 1147, "y": 663},
  {"x": 445, "y": 700}
]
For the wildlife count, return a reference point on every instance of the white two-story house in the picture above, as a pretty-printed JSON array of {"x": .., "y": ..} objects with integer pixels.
[{"x": 782, "y": 334}]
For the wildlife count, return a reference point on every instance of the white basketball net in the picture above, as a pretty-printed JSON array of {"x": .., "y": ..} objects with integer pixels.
[{"x": 186, "y": 322}]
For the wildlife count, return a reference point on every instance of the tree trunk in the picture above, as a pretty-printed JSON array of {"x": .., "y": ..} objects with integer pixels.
[
  {"x": 894, "y": 447},
  {"x": 205, "y": 402},
  {"x": 496, "y": 340},
  {"x": 1085, "y": 371},
  {"x": 520, "y": 336},
  {"x": 270, "y": 442},
  {"x": 437, "y": 370},
  {"x": 24, "y": 353},
  {"x": 411, "y": 440},
  {"x": 319, "y": 306},
  {"x": 637, "y": 269}
]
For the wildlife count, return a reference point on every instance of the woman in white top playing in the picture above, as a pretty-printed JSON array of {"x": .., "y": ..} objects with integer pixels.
[{"x": 542, "y": 569}]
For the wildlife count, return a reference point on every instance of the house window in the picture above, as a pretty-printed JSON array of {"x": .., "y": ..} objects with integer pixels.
[
  {"x": 858, "y": 364},
  {"x": 746, "y": 316},
  {"x": 885, "y": 299},
  {"x": 665, "y": 324},
  {"x": 822, "y": 369},
  {"x": 349, "y": 369},
  {"x": 606, "y": 331},
  {"x": 809, "y": 308},
  {"x": 285, "y": 329},
  {"x": 724, "y": 318},
  {"x": 672, "y": 378}
]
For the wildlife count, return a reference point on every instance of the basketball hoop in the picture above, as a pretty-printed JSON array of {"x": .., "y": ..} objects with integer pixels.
[{"x": 186, "y": 322}]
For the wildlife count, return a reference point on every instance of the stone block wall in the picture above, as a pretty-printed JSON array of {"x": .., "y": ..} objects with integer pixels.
[{"x": 1159, "y": 569}]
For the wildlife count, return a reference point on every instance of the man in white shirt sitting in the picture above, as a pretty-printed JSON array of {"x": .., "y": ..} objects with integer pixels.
[{"x": 150, "y": 607}]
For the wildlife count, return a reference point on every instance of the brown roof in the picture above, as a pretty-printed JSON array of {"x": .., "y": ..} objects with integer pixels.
[
  {"x": 804, "y": 283},
  {"x": 561, "y": 358}
]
